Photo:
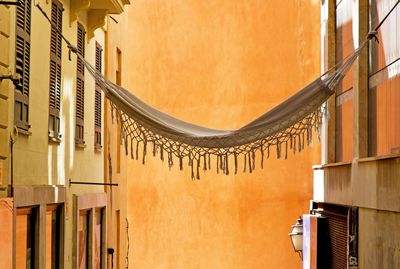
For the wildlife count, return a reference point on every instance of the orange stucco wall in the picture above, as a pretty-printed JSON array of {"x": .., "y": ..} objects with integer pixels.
[{"x": 218, "y": 63}]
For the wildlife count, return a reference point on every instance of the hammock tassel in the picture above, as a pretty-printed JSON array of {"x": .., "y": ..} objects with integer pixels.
[
  {"x": 262, "y": 155},
  {"x": 294, "y": 145},
  {"x": 235, "y": 157},
  {"x": 286, "y": 150},
  {"x": 204, "y": 162},
  {"x": 217, "y": 164},
  {"x": 299, "y": 140},
  {"x": 198, "y": 168},
  {"x": 191, "y": 165},
  {"x": 126, "y": 145},
  {"x": 278, "y": 149},
  {"x": 154, "y": 148},
  {"x": 244, "y": 163},
  {"x": 144, "y": 151},
  {"x": 170, "y": 161},
  {"x": 226, "y": 164},
  {"x": 253, "y": 155},
  {"x": 137, "y": 150},
  {"x": 162, "y": 153},
  {"x": 209, "y": 161},
  {"x": 249, "y": 158},
  {"x": 291, "y": 141},
  {"x": 180, "y": 163},
  {"x": 132, "y": 157}
]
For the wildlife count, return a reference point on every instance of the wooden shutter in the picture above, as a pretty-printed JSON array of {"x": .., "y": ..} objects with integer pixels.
[
  {"x": 80, "y": 87},
  {"x": 55, "y": 71},
  {"x": 22, "y": 62},
  {"x": 338, "y": 230},
  {"x": 97, "y": 101}
]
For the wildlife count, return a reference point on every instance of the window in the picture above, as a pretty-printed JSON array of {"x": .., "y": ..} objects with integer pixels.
[
  {"x": 80, "y": 87},
  {"x": 340, "y": 238},
  {"x": 97, "y": 102},
  {"x": 22, "y": 62},
  {"x": 344, "y": 96},
  {"x": 55, "y": 71},
  {"x": 384, "y": 81},
  {"x": 25, "y": 237},
  {"x": 53, "y": 236}
]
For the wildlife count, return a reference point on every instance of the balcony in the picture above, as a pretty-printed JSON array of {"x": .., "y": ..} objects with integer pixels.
[{"x": 96, "y": 10}]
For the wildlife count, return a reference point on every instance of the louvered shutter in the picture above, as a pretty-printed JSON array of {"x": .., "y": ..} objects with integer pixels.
[
  {"x": 338, "y": 228},
  {"x": 55, "y": 70},
  {"x": 22, "y": 62},
  {"x": 97, "y": 102},
  {"x": 80, "y": 87}
]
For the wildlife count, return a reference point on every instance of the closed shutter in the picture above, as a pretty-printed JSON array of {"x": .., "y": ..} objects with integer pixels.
[
  {"x": 97, "y": 102},
  {"x": 22, "y": 62},
  {"x": 55, "y": 71},
  {"x": 80, "y": 87},
  {"x": 338, "y": 234}
]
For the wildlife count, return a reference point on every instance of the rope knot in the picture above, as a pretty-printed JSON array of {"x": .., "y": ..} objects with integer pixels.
[
  {"x": 72, "y": 48},
  {"x": 373, "y": 35}
]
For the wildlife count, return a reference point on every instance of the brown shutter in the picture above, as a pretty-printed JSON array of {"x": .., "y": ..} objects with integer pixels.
[
  {"x": 80, "y": 87},
  {"x": 97, "y": 102},
  {"x": 22, "y": 62},
  {"x": 338, "y": 230},
  {"x": 55, "y": 71}
]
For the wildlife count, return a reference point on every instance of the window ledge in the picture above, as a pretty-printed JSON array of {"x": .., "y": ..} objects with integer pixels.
[
  {"x": 21, "y": 131},
  {"x": 55, "y": 140},
  {"x": 98, "y": 148},
  {"x": 80, "y": 145},
  {"x": 377, "y": 158},
  {"x": 344, "y": 163},
  {"x": 360, "y": 160}
]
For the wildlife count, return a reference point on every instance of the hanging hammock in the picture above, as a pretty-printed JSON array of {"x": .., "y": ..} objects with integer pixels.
[{"x": 288, "y": 126}]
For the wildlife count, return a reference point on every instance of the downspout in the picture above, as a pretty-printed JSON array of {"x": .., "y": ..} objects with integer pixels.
[{"x": 12, "y": 142}]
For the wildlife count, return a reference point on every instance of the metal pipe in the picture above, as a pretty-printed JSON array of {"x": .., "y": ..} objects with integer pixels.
[
  {"x": 11, "y": 3},
  {"x": 91, "y": 183},
  {"x": 11, "y": 191}
]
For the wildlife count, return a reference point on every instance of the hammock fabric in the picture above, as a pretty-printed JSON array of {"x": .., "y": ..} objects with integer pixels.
[{"x": 288, "y": 126}]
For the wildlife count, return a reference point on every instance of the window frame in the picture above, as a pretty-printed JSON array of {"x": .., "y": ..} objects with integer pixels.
[
  {"x": 98, "y": 99},
  {"x": 80, "y": 88},
  {"x": 90, "y": 203},
  {"x": 22, "y": 64},
  {"x": 55, "y": 77}
]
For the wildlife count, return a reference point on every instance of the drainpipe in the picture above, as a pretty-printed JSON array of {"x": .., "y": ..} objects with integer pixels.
[{"x": 11, "y": 191}]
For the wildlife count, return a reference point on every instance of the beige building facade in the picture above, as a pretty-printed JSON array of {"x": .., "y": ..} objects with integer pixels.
[{"x": 52, "y": 135}]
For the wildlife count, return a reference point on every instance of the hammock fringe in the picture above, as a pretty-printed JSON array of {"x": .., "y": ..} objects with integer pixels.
[{"x": 296, "y": 140}]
